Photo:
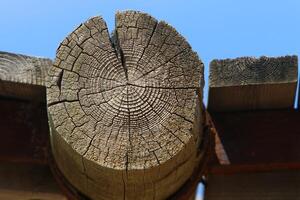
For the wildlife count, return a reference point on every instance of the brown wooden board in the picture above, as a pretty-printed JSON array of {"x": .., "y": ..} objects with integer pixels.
[
  {"x": 24, "y": 131},
  {"x": 259, "y": 137},
  {"x": 259, "y": 186},
  {"x": 251, "y": 168}
]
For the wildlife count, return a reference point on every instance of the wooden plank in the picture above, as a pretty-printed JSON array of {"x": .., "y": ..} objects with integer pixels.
[
  {"x": 247, "y": 83},
  {"x": 259, "y": 137},
  {"x": 250, "y": 168},
  {"x": 27, "y": 181},
  {"x": 259, "y": 186},
  {"x": 23, "y": 76}
]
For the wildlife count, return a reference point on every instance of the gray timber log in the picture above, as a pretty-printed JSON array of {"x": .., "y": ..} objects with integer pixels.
[
  {"x": 22, "y": 76},
  {"x": 248, "y": 83},
  {"x": 125, "y": 111}
]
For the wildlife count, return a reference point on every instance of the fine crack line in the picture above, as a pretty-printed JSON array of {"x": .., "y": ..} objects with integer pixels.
[
  {"x": 61, "y": 101},
  {"x": 119, "y": 52},
  {"x": 147, "y": 45},
  {"x": 159, "y": 87},
  {"x": 161, "y": 65},
  {"x": 59, "y": 80}
]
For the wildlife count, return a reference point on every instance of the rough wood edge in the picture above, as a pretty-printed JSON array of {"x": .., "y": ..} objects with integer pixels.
[
  {"x": 252, "y": 71},
  {"x": 22, "y": 76},
  {"x": 21, "y": 68}
]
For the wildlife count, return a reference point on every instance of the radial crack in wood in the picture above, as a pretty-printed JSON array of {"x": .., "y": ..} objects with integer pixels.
[{"x": 124, "y": 111}]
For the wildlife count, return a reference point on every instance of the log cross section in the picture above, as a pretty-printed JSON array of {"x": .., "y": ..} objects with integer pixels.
[{"x": 125, "y": 109}]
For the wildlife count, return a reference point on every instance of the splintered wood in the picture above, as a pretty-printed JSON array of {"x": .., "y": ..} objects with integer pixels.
[
  {"x": 125, "y": 111},
  {"x": 248, "y": 83},
  {"x": 22, "y": 76}
]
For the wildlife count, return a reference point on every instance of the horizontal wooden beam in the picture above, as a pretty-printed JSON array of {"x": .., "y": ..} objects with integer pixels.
[
  {"x": 252, "y": 168},
  {"x": 258, "y": 137},
  {"x": 259, "y": 186},
  {"x": 248, "y": 83}
]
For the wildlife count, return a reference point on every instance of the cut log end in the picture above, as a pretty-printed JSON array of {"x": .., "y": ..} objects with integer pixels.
[
  {"x": 253, "y": 71},
  {"x": 263, "y": 83},
  {"x": 22, "y": 77},
  {"x": 123, "y": 109}
]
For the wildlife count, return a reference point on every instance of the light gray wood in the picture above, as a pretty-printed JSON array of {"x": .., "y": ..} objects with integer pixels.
[
  {"x": 23, "y": 76},
  {"x": 125, "y": 110},
  {"x": 248, "y": 83},
  {"x": 27, "y": 181},
  {"x": 277, "y": 185}
]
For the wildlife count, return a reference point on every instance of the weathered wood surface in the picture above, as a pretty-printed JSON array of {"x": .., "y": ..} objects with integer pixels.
[
  {"x": 27, "y": 181},
  {"x": 125, "y": 111},
  {"x": 186, "y": 192},
  {"x": 248, "y": 83},
  {"x": 22, "y": 76},
  {"x": 258, "y": 186}
]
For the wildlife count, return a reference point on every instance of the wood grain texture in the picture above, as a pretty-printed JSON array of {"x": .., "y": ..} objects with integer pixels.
[
  {"x": 22, "y": 76},
  {"x": 125, "y": 111},
  {"x": 248, "y": 83}
]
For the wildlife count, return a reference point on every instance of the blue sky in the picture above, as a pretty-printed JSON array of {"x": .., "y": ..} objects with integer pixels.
[{"x": 214, "y": 28}]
